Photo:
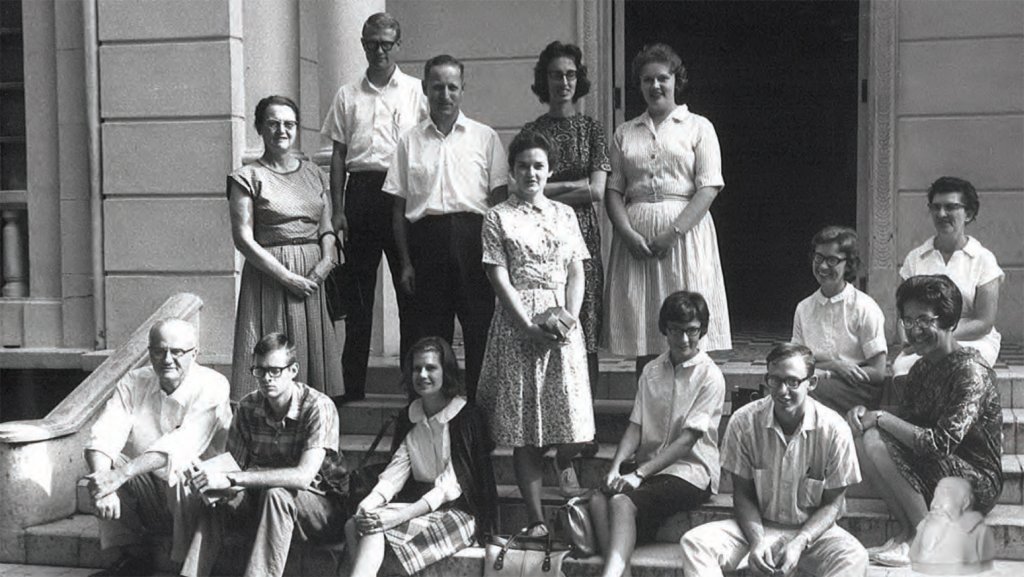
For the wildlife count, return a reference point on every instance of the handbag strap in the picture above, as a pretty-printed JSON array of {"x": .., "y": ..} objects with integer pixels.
[
  {"x": 376, "y": 440},
  {"x": 499, "y": 562}
]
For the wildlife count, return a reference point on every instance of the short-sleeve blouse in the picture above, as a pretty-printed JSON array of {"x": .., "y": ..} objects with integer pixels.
[
  {"x": 287, "y": 206},
  {"x": 534, "y": 241},
  {"x": 672, "y": 160},
  {"x": 969, "y": 268}
]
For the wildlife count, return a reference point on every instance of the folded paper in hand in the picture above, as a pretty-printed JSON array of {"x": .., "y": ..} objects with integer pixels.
[
  {"x": 222, "y": 463},
  {"x": 557, "y": 321}
]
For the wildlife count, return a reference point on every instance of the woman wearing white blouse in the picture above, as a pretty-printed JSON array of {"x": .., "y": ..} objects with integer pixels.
[
  {"x": 437, "y": 495},
  {"x": 953, "y": 204},
  {"x": 666, "y": 173}
]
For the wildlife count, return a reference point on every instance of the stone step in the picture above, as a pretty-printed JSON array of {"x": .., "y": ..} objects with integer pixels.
[
  {"x": 74, "y": 542},
  {"x": 618, "y": 380}
]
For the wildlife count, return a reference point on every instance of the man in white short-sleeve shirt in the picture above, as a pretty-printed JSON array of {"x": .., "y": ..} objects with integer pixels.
[
  {"x": 446, "y": 173},
  {"x": 791, "y": 460},
  {"x": 364, "y": 123},
  {"x": 160, "y": 419}
]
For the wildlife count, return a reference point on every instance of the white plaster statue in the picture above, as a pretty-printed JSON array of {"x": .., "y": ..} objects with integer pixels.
[{"x": 953, "y": 538}]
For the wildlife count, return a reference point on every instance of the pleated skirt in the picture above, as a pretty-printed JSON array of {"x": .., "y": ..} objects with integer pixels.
[
  {"x": 635, "y": 288},
  {"x": 265, "y": 306}
]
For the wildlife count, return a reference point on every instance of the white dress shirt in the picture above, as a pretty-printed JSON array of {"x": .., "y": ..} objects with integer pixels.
[
  {"x": 438, "y": 174},
  {"x": 189, "y": 424},
  {"x": 369, "y": 120}
]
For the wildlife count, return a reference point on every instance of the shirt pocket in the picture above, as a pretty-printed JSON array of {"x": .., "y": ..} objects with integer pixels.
[{"x": 809, "y": 494}]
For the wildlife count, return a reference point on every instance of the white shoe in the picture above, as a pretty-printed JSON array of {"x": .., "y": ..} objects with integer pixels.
[
  {"x": 883, "y": 547},
  {"x": 897, "y": 556}
]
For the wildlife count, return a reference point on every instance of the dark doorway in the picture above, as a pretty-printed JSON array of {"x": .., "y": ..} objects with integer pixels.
[{"x": 779, "y": 81}]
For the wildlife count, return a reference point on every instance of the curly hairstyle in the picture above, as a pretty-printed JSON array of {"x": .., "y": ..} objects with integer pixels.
[
  {"x": 937, "y": 292},
  {"x": 452, "y": 384},
  {"x": 664, "y": 54},
  {"x": 529, "y": 139},
  {"x": 846, "y": 239},
  {"x": 540, "y": 71}
]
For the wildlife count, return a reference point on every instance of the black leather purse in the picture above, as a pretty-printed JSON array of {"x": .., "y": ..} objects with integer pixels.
[{"x": 362, "y": 480}]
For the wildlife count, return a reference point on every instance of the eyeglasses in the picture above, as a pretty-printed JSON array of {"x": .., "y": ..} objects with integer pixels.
[
  {"x": 921, "y": 322},
  {"x": 272, "y": 372},
  {"x": 692, "y": 333},
  {"x": 373, "y": 45},
  {"x": 832, "y": 261},
  {"x": 937, "y": 207},
  {"x": 278, "y": 124},
  {"x": 792, "y": 383},
  {"x": 568, "y": 75},
  {"x": 160, "y": 352}
]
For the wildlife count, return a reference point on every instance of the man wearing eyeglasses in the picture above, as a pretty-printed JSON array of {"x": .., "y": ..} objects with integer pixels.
[
  {"x": 292, "y": 478},
  {"x": 791, "y": 460},
  {"x": 160, "y": 419},
  {"x": 364, "y": 123}
]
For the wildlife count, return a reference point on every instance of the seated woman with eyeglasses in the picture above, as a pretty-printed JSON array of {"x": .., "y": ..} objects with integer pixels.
[
  {"x": 948, "y": 424},
  {"x": 842, "y": 325},
  {"x": 280, "y": 210},
  {"x": 953, "y": 204}
]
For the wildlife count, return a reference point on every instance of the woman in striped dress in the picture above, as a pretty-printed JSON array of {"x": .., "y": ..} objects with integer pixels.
[
  {"x": 666, "y": 172},
  {"x": 281, "y": 223}
]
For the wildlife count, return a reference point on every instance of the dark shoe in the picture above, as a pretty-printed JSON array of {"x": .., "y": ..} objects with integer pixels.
[
  {"x": 128, "y": 566},
  {"x": 590, "y": 450}
]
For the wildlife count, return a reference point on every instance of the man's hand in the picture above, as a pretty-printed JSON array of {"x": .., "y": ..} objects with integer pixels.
[
  {"x": 340, "y": 224},
  {"x": 761, "y": 559},
  {"x": 790, "y": 555},
  {"x": 103, "y": 483},
  {"x": 407, "y": 280},
  {"x": 109, "y": 507},
  {"x": 211, "y": 481}
]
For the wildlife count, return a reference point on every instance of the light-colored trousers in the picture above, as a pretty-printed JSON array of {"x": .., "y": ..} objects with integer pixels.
[
  {"x": 149, "y": 506},
  {"x": 713, "y": 547}
]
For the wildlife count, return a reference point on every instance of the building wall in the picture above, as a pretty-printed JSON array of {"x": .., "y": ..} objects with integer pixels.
[
  {"x": 960, "y": 112},
  {"x": 172, "y": 113}
]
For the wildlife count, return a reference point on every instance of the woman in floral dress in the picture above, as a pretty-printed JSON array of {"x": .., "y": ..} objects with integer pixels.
[
  {"x": 559, "y": 80},
  {"x": 534, "y": 383},
  {"x": 949, "y": 422}
]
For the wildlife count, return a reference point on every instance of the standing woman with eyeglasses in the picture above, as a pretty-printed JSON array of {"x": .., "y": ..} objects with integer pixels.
[
  {"x": 842, "y": 325},
  {"x": 666, "y": 173},
  {"x": 560, "y": 80},
  {"x": 281, "y": 223},
  {"x": 953, "y": 204}
]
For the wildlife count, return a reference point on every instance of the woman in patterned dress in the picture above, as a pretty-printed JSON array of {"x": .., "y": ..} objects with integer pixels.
[
  {"x": 281, "y": 223},
  {"x": 949, "y": 423},
  {"x": 559, "y": 80},
  {"x": 437, "y": 494},
  {"x": 534, "y": 383},
  {"x": 666, "y": 172}
]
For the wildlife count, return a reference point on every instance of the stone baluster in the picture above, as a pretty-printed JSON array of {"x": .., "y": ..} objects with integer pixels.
[{"x": 15, "y": 273}]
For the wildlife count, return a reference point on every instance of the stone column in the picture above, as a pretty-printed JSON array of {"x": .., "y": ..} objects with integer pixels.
[{"x": 271, "y": 29}]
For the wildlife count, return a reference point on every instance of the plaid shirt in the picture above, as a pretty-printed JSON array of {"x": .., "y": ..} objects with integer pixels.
[{"x": 257, "y": 441}]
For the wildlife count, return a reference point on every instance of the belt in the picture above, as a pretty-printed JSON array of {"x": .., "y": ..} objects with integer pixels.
[{"x": 290, "y": 242}]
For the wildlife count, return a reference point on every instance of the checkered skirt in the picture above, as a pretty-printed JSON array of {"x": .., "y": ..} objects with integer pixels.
[{"x": 429, "y": 538}]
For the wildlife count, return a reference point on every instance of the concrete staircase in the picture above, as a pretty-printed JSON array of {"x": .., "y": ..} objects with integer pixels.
[{"x": 74, "y": 541}]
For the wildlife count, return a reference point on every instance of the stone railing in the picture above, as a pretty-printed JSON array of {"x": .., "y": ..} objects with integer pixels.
[
  {"x": 41, "y": 460},
  {"x": 13, "y": 244}
]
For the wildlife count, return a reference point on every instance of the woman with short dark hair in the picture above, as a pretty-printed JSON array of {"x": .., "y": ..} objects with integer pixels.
[
  {"x": 578, "y": 179},
  {"x": 949, "y": 422},
  {"x": 280, "y": 207},
  {"x": 666, "y": 173},
  {"x": 953, "y": 204}
]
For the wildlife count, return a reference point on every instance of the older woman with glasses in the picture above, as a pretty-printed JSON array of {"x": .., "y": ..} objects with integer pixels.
[
  {"x": 842, "y": 325},
  {"x": 666, "y": 173},
  {"x": 953, "y": 204},
  {"x": 281, "y": 223},
  {"x": 948, "y": 424}
]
